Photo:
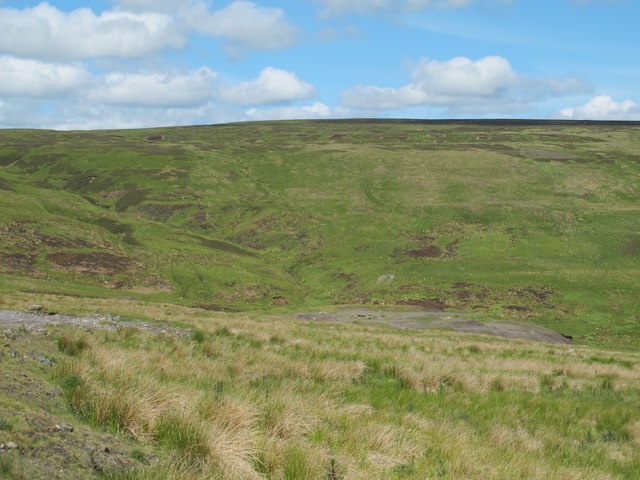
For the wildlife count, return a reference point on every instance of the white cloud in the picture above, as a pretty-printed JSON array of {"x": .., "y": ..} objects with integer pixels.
[
  {"x": 242, "y": 24},
  {"x": 156, "y": 89},
  {"x": 603, "y": 107},
  {"x": 78, "y": 114},
  {"x": 463, "y": 86},
  {"x": 47, "y": 33},
  {"x": 139, "y": 27},
  {"x": 34, "y": 78},
  {"x": 447, "y": 81},
  {"x": 271, "y": 87},
  {"x": 247, "y": 24},
  {"x": 156, "y": 5},
  {"x": 317, "y": 110}
]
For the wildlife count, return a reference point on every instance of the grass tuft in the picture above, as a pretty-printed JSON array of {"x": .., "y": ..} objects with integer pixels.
[{"x": 71, "y": 344}]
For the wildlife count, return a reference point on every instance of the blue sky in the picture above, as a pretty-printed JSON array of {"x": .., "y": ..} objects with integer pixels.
[{"x": 84, "y": 64}]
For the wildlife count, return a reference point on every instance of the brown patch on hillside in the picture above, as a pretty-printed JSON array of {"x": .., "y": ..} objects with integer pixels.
[
  {"x": 516, "y": 308},
  {"x": 428, "y": 303},
  {"x": 429, "y": 251},
  {"x": 21, "y": 235},
  {"x": 351, "y": 279},
  {"x": 112, "y": 194},
  {"x": 12, "y": 262},
  {"x": 89, "y": 263},
  {"x": 280, "y": 301}
]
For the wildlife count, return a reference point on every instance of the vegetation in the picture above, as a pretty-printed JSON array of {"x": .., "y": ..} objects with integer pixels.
[
  {"x": 253, "y": 398},
  {"x": 534, "y": 221},
  {"x": 528, "y": 220}
]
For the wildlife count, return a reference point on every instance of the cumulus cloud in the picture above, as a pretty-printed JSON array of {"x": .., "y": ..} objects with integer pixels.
[
  {"x": 139, "y": 27},
  {"x": 272, "y": 86},
  {"x": 242, "y": 23},
  {"x": 249, "y": 25},
  {"x": 463, "y": 86},
  {"x": 603, "y": 107},
  {"x": 34, "y": 78},
  {"x": 45, "y": 32},
  {"x": 317, "y": 110},
  {"x": 156, "y": 88}
]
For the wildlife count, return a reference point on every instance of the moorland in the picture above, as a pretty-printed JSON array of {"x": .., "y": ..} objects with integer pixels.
[{"x": 230, "y": 231}]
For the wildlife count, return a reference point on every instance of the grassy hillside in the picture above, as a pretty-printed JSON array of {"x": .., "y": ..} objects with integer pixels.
[
  {"x": 247, "y": 397},
  {"x": 517, "y": 220}
]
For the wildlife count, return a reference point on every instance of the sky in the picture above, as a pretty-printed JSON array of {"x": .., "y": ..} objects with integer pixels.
[{"x": 99, "y": 64}]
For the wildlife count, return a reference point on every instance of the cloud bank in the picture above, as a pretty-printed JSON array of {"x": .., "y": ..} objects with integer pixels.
[
  {"x": 462, "y": 86},
  {"x": 46, "y": 33}
]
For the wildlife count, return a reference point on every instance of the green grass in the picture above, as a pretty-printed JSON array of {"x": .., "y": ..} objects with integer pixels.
[{"x": 537, "y": 220}]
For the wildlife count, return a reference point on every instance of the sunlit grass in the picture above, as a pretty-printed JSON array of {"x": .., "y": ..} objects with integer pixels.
[{"x": 249, "y": 398}]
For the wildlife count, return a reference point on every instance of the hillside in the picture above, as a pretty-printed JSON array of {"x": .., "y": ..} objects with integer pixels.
[{"x": 534, "y": 221}]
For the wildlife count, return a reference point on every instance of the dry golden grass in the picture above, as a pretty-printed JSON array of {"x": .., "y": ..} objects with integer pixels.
[{"x": 283, "y": 399}]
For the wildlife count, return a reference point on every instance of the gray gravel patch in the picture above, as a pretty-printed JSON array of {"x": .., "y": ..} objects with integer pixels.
[
  {"x": 39, "y": 321},
  {"x": 404, "y": 318}
]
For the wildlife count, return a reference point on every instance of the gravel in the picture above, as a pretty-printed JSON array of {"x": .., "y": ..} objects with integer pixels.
[{"x": 39, "y": 321}]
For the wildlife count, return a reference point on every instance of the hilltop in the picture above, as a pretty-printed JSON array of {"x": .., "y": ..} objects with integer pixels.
[{"x": 527, "y": 220}]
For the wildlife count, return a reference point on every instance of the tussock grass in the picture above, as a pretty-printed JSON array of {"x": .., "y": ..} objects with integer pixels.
[
  {"x": 71, "y": 345},
  {"x": 359, "y": 402}
]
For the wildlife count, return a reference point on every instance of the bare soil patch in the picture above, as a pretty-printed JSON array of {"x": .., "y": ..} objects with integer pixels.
[
  {"x": 430, "y": 251},
  {"x": 11, "y": 262},
  {"x": 428, "y": 303},
  {"x": 89, "y": 263}
]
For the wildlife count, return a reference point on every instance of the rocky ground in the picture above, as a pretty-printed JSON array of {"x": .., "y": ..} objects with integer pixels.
[{"x": 36, "y": 321}]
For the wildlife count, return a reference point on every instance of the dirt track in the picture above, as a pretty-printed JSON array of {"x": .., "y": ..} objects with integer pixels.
[{"x": 405, "y": 318}]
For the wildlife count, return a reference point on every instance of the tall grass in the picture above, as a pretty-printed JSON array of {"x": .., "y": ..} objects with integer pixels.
[{"x": 360, "y": 402}]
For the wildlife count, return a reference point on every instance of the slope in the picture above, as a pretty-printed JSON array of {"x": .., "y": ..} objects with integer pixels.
[{"x": 535, "y": 221}]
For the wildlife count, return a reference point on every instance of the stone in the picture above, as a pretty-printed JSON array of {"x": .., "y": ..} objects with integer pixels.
[
  {"x": 62, "y": 427},
  {"x": 385, "y": 279},
  {"x": 35, "y": 307}
]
